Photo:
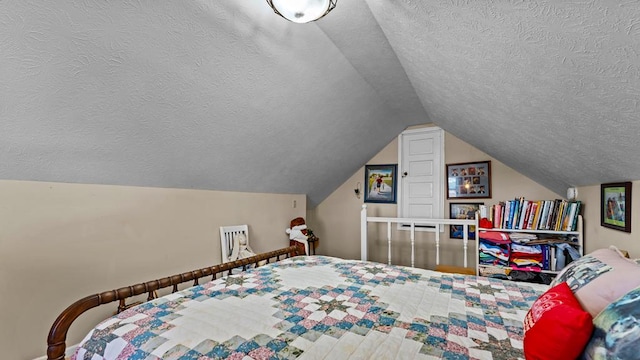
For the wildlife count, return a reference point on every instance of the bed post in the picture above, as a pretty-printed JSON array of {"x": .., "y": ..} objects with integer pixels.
[{"x": 363, "y": 233}]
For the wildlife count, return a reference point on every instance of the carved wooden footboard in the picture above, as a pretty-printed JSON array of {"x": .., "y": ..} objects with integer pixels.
[{"x": 56, "y": 341}]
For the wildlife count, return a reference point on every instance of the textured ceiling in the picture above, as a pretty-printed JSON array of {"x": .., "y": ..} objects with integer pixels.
[
  {"x": 551, "y": 88},
  {"x": 225, "y": 95}
]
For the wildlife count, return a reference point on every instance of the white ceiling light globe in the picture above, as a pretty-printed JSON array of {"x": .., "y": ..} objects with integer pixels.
[{"x": 301, "y": 11}]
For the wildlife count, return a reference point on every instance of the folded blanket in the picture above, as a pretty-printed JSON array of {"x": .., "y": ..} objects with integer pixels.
[
  {"x": 495, "y": 237},
  {"x": 499, "y": 251},
  {"x": 487, "y": 259},
  {"x": 526, "y": 249}
]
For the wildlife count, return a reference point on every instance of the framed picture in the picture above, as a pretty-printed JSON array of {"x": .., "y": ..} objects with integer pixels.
[
  {"x": 615, "y": 206},
  {"x": 380, "y": 183},
  {"x": 463, "y": 211},
  {"x": 469, "y": 180}
]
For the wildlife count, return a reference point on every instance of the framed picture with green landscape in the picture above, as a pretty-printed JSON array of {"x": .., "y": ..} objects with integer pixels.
[
  {"x": 615, "y": 206},
  {"x": 380, "y": 183}
]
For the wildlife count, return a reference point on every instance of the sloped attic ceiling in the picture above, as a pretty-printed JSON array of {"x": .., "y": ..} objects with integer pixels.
[{"x": 224, "y": 95}]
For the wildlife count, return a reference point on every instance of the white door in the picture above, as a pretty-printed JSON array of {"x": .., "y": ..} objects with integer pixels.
[{"x": 420, "y": 170}]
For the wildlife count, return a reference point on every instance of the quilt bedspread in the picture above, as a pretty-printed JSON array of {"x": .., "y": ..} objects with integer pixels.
[{"x": 323, "y": 308}]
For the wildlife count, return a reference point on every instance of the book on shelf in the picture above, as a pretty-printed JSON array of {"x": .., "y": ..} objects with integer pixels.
[
  {"x": 523, "y": 214},
  {"x": 507, "y": 212},
  {"x": 532, "y": 214},
  {"x": 566, "y": 218},
  {"x": 553, "y": 209},
  {"x": 545, "y": 259},
  {"x": 555, "y": 223},
  {"x": 497, "y": 214},
  {"x": 554, "y": 214},
  {"x": 514, "y": 218},
  {"x": 535, "y": 210},
  {"x": 483, "y": 211},
  {"x": 547, "y": 221},
  {"x": 543, "y": 214},
  {"x": 516, "y": 214},
  {"x": 562, "y": 220},
  {"x": 570, "y": 216},
  {"x": 558, "y": 219},
  {"x": 519, "y": 214},
  {"x": 574, "y": 221}
]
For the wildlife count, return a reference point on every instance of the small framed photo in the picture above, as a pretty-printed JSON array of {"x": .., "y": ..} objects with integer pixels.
[
  {"x": 463, "y": 211},
  {"x": 615, "y": 206},
  {"x": 380, "y": 183},
  {"x": 469, "y": 180}
]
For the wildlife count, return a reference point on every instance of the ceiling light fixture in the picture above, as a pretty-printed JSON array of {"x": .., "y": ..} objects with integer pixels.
[{"x": 302, "y": 11}]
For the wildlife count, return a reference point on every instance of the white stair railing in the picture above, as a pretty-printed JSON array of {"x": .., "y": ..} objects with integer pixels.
[{"x": 434, "y": 226}]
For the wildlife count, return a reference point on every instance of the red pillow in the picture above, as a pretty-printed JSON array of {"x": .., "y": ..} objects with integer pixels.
[{"x": 556, "y": 326}]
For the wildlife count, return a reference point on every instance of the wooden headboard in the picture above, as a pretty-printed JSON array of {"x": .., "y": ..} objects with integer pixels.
[{"x": 56, "y": 341}]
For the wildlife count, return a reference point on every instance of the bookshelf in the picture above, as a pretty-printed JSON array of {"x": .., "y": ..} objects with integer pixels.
[{"x": 546, "y": 238}]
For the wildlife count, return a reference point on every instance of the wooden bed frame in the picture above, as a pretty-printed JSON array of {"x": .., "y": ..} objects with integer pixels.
[{"x": 56, "y": 341}]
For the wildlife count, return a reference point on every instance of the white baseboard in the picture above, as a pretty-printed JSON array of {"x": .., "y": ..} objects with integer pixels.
[{"x": 67, "y": 353}]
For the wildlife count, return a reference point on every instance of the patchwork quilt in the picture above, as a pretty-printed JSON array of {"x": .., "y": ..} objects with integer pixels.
[{"x": 324, "y": 308}]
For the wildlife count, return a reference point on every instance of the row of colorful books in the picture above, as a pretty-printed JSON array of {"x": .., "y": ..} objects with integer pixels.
[{"x": 522, "y": 214}]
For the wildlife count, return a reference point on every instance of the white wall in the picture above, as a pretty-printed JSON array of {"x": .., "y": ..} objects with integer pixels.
[
  {"x": 337, "y": 219},
  {"x": 61, "y": 242},
  {"x": 597, "y": 236}
]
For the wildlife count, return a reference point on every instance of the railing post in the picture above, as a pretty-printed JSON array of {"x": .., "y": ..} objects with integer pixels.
[
  {"x": 363, "y": 233},
  {"x": 437, "y": 232},
  {"x": 389, "y": 242},
  {"x": 413, "y": 243},
  {"x": 465, "y": 242}
]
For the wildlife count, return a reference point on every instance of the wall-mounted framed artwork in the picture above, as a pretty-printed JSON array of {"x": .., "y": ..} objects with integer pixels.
[
  {"x": 380, "y": 182},
  {"x": 469, "y": 180},
  {"x": 615, "y": 206},
  {"x": 463, "y": 211}
]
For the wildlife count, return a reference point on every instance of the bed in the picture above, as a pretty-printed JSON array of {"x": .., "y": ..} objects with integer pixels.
[
  {"x": 312, "y": 307},
  {"x": 319, "y": 307}
]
